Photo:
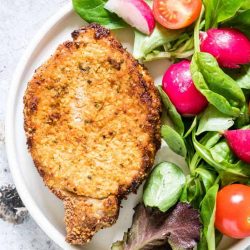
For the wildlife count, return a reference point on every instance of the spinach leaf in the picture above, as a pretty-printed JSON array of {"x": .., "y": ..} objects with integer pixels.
[
  {"x": 228, "y": 172},
  {"x": 208, "y": 206},
  {"x": 227, "y": 9},
  {"x": 241, "y": 21},
  {"x": 245, "y": 5},
  {"x": 213, "y": 120},
  {"x": 164, "y": 186},
  {"x": 209, "y": 140},
  {"x": 219, "y": 89},
  {"x": 221, "y": 152},
  {"x": 244, "y": 118},
  {"x": 174, "y": 140},
  {"x": 172, "y": 112},
  {"x": 210, "y": 13},
  {"x": 217, "y": 11},
  {"x": 193, "y": 191},
  {"x": 94, "y": 11},
  {"x": 207, "y": 176},
  {"x": 144, "y": 44}
]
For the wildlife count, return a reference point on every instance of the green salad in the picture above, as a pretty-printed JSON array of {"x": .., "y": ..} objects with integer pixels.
[{"x": 205, "y": 94}]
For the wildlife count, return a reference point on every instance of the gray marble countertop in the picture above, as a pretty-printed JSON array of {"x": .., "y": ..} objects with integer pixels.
[{"x": 19, "y": 22}]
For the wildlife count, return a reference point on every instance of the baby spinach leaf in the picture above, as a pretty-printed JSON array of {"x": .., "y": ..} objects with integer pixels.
[
  {"x": 217, "y": 80},
  {"x": 208, "y": 206},
  {"x": 227, "y": 9},
  {"x": 221, "y": 152},
  {"x": 174, "y": 140},
  {"x": 151, "y": 229},
  {"x": 213, "y": 120},
  {"x": 210, "y": 13},
  {"x": 219, "y": 89},
  {"x": 241, "y": 21},
  {"x": 228, "y": 172},
  {"x": 207, "y": 176},
  {"x": 220, "y": 10},
  {"x": 172, "y": 112},
  {"x": 94, "y": 11},
  {"x": 164, "y": 186},
  {"x": 209, "y": 140},
  {"x": 244, "y": 118}
]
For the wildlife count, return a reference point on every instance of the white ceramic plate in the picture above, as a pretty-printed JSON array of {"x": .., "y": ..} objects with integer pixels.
[{"x": 43, "y": 206}]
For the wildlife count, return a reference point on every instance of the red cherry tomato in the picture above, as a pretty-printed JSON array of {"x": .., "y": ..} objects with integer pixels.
[
  {"x": 176, "y": 14},
  {"x": 232, "y": 216}
]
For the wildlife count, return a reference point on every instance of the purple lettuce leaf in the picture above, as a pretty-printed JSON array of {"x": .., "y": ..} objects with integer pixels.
[{"x": 153, "y": 230}]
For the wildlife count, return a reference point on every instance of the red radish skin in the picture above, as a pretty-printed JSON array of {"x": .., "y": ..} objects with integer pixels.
[
  {"x": 239, "y": 141},
  {"x": 137, "y": 13},
  {"x": 179, "y": 86},
  {"x": 229, "y": 46}
]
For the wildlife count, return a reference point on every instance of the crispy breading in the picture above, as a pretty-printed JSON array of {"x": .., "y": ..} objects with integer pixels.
[{"x": 92, "y": 120}]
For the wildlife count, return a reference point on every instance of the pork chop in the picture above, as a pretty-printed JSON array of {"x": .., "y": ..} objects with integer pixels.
[{"x": 92, "y": 121}]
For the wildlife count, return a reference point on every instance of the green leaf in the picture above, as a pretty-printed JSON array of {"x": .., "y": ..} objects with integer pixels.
[
  {"x": 172, "y": 112},
  {"x": 228, "y": 8},
  {"x": 228, "y": 172},
  {"x": 164, "y": 186},
  {"x": 241, "y": 21},
  {"x": 244, "y": 118},
  {"x": 191, "y": 128},
  {"x": 208, "y": 206},
  {"x": 219, "y": 89},
  {"x": 174, "y": 140},
  {"x": 221, "y": 152},
  {"x": 207, "y": 176},
  {"x": 210, "y": 14},
  {"x": 217, "y": 11},
  {"x": 245, "y": 5},
  {"x": 144, "y": 44},
  {"x": 213, "y": 120},
  {"x": 192, "y": 192},
  {"x": 94, "y": 11}
]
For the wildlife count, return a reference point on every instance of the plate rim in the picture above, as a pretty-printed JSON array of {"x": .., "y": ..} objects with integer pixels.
[{"x": 35, "y": 212}]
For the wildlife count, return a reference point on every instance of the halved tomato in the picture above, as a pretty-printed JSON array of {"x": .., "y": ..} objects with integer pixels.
[{"x": 176, "y": 14}]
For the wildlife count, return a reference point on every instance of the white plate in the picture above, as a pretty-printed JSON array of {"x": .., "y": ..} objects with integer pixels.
[{"x": 43, "y": 206}]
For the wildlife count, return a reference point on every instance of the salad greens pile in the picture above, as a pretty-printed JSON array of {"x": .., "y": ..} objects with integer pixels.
[{"x": 174, "y": 204}]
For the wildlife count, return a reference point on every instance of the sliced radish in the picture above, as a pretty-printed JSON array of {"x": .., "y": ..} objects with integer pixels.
[
  {"x": 239, "y": 141},
  {"x": 137, "y": 13}
]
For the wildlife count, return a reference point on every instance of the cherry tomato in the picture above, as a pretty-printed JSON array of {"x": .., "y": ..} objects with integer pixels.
[
  {"x": 176, "y": 14},
  {"x": 232, "y": 216}
]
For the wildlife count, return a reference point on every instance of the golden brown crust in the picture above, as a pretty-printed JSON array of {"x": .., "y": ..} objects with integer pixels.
[{"x": 92, "y": 120}]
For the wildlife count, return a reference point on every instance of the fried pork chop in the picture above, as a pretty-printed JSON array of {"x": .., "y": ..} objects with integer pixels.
[{"x": 92, "y": 121}]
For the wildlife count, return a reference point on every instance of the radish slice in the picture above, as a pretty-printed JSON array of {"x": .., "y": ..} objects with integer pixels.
[
  {"x": 239, "y": 141},
  {"x": 135, "y": 12}
]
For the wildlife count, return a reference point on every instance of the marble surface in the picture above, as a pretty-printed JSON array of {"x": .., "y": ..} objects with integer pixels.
[{"x": 19, "y": 22}]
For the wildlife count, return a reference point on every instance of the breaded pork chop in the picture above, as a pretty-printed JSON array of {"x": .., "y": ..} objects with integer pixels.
[{"x": 92, "y": 120}]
